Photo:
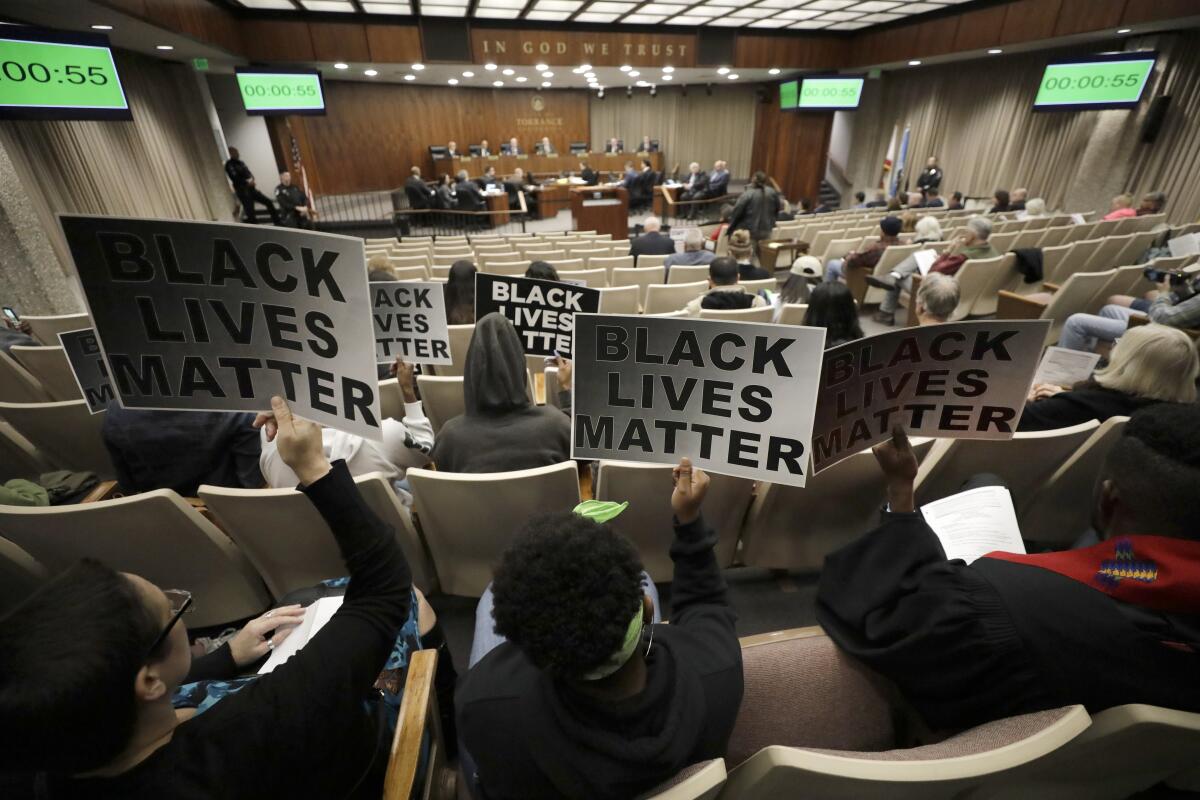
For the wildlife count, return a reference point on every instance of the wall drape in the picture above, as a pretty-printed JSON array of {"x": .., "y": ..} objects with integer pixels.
[{"x": 697, "y": 127}]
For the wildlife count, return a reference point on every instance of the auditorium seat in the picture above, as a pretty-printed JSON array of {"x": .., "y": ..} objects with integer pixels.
[
  {"x": 466, "y": 539},
  {"x": 156, "y": 535},
  {"x": 609, "y": 263},
  {"x": 647, "y": 521},
  {"x": 587, "y": 252},
  {"x": 762, "y": 283},
  {"x": 442, "y": 398},
  {"x": 991, "y": 275},
  {"x": 417, "y": 768},
  {"x": 566, "y": 263},
  {"x": 1052, "y": 237},
  {"x": 635, "y": 276},
  {"x": 288, "y": 541},
  {"x": 664, "y": 298},
  {"x": 410, "y": 273},
  {"x": 65, "y": 433},
  {"x": 701, "y": 781},
  {"x": 18, "y": 456},
  {"x": 685, "y": 273},
  {"x": 793, "y": 313},
  {"x": 50, "y": 366},
  {"x": 460, "y": 341},
  {"x": 1073, "y": 296},
  {"x": 391, "y": 400},
  {"x": 762, "y": 314},
  {"x": 1123, "y": 280},
  {"x": 646, "y": 261},
  {"x": 815, "y": 723},
  {"x": 514, "y": 269},
  {"x": 47, "y": 329},
  {"x": 620, "y": 299},
  {"x": 1134, "y": 248},
  {"x": 891, "y": 258},
  {"x": 1023, "y": 462},
  {"x": 404, "y": 262},
  {"x": 592, "y": 278},
  {"x": 789, "y": 527},
  {"x": 20, "y": 575},
  {"x": 1060, "y": 510},
  {"x": 17, "y": 385}
]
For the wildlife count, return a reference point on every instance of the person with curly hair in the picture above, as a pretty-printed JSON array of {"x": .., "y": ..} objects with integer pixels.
[{"x": 577, "y": 693}]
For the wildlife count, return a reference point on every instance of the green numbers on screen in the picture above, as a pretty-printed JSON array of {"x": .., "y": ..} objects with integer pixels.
[
  {"x": 269, "y": 91},
  {"x": 53, "y": 75},
  {"x": 1094, "y": 83}
]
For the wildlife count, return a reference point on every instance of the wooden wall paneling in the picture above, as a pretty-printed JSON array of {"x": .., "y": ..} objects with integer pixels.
[
  {"x": 980, "y": 28},
  {"x": 561, "y": 48},
  {"x": 201, "y": 20},
  {"x": 1137, "y": 11},
  {"x": 1084, "y": 16},
  {"x": 277, "y": 40},
  {"x": 936, "y": 37},
  {"x": 1030, "y": 21},
  {"x": 791, "y": 147},
  {"x": 394, "y": 44},
  {"x": 752, "y": 51},
  {"x": 339, "y": 41}
]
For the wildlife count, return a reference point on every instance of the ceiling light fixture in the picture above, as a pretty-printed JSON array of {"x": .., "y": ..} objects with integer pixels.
[
  {"x": 418, "y": 67},
  {"x": 668, "y": 69},
  {"x": 468, "y": 74},
  {"x": 634, "y": 73},
  {"x": 1125, "y": 30},
  {"x": 995, "y": 51},
  {"x": 541, "y": 67},
  {"x": 547, "y": 74},
  {"x": 545, "y": 84},
  {"x": 668, "y": 77},
  {"x": 585, "y": 67},
  {"x": 341, "y": 65},
  {"x": 489, "y": 66},
  {"x": 625, "y": 68},
  {"x": 371, "y": 73},
  {"x": 733, "y": 76},
  {"x": 773, "y": 71},
  {"x": 521, "y": 79},
  {"x": 589, "y": 75},
  {"x": 410, "y": 77},
  {"x": 497, "y": 83},
  {"x": 453, "y": 81},
  {"x": 914, "y": 63},
  {"x": 163, "y": 47},
  {"x": 102, "y": 27},
  {"x": 723, "y": 71},
  {"x": 507, "y": 72}
]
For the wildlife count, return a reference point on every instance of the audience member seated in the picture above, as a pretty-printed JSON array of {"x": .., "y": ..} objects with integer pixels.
[
  {"x": 724, "y": 292},
  {"x": 379, "y": 268},
  {"x": 576, "y": 693},
  {"x": 927, "y": 230},
  {"x": 1121, "y": 207},
  {"x": 1148, "y": 364},
  {"x": 900, "y": 278},
  {"x": 831, "y": 306},
  {"x": 1152, "y": 203},
  {"x": 936, "y": 299},
  {"x": 693, "y": 253},
  {"x": 933, "y": 199},
  {"x": 468, "y": 194},
  {"x": 1035, "y": 208},
  {"x": 889, "y": 234},
  {"x": 16, "y": 335},
  {"x": 756, "y": 209},
  {"x": 860, "y": 200},
  {"x": 914, "y": 200},
  {"x": 880, "y": 201},
  {"x": 796, "y": 287},
  {"x": 804, "y": 206},
  {"x": 181, "y": 449},
  {"x": 697, "y": 181},
  {"x": 406, "y": 443},
  {"x": 460, "y": 293},
  {"x": 445, "y": 196},
  {"x": 651, "y": 242},
  {"x": 501, "y": 429},
  {"x": 1175, "y": 304},
  {"x": 1000, "y": 202},
  {"x": 1011, "y": 634},
  {"x": 419, "y": 195},
  {"x": 741, "y": 249},
  {"x": 517, "y": 183},
  {"x": 91, "y": 660},
  {"x": 956, "y": 202},
  {"x": 908, "y": 221},
  {"x": 893, "y": 205},
  {"x": 718, "y": 180},
  {"x": 542, "y": 271},
  {"x": 1016, "y": 201}
]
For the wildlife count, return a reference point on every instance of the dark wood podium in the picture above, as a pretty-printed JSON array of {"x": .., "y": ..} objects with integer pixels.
[{"x": 603, "y": 209}]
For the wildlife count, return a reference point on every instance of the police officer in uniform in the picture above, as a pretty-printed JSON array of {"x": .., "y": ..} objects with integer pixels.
[
  {"x": 931, "y": 178},
  {"x": 293, "y": 203},
  {"x": 243, "y": 186}
]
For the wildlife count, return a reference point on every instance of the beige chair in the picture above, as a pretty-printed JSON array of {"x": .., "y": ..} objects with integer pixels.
[
  {"x": 513, "y": 269},
  {"x": 1061, "y": 509},
  {"x": 793, "y": 313},
  {"x": 1052, "y": 237},
  {"x": 647, "y": 521},
  {"x": 770, "y": 284},
  {"x": 460, "y": 342},
  {"x": 18, "y": 457},
  {"x": 620, "y": 300},
  {"x": 47, "y": 329},
  {"x": 288, "y": 541},
  {"x": 1053, "y": 259},
  {"x": 1133, "y": 250},
  {"x": 975, "y": 278},
  {"x": 391, "y": 399},
  {"x": 1121, "y": 281},
  {"x": 610, "y": 263},
  {"x": 891, "y": 258},
  {"x": 647, "y": 261},
  {"x": 664, "y": 298},
  {"x": 50, "y": 366},
  {"x": 1023, "y": 462},
  {"x": 65, "y": 433},
  {"x": 760, "y": 314},
  {"x": 683, "y": 273},
  {"x": 156, "y": 535},
  {"x": 410, "y": 273},
  {"x": 587, "y": 252},
  {"x": 701, "y": 781},
  {"x": 567, "y": 264},
  {"x": 814, "y": 723},
  {"x": 591, "y": 278},
  {"x": 442, "y": 397},
  {"x": 404, "y": 262},
  {"x": 17, "y": 385},
  {"x": 640, "y": 278},
  {"x": 789, "y": 527},
  {"x": 466, "y": 539}
]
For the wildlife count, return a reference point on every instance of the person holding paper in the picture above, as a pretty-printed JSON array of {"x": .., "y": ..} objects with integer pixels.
[
  {"x": 1149, "y": 364},
  {"x": 89, "y": 662},
  {"x": 580, "y": 694},
  {"x": 1010, "y": 633},
  {"x": 1176, "y": 303}
]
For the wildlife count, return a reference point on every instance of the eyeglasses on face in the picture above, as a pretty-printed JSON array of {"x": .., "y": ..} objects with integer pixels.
[{"x": 180, "y": 601}]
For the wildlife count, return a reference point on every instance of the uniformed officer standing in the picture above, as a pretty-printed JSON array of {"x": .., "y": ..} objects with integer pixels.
[
  {"x": 931, "y": 178},
  {"x": 243, "y": 186},
  {"x": 293, "y": 203}
]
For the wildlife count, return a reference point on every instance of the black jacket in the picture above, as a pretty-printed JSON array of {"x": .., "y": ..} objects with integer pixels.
[
  {"x": 469, "y": 196},
  {"x": 699, "y": 185},
  {"x": 1086, "y": 401},
  {"x": 755, "y": 211},
  {"x": 239, "y": 174},
  {"x": 418, "y": 193},
  {"x": 931, "y": 178},
  {"x": 290, "y": 198},
  {"x": 718, "y": 184},
  {"x": 651, "y": 244},
  {"x": 590, "y": 176}
]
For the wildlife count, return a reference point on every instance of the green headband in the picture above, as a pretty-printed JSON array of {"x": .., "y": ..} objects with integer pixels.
[{"x": 633, "y": 635}]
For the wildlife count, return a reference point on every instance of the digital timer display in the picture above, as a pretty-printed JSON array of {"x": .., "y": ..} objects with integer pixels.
[
  {"x": 58, "y": 75},
  {"x": 830, "y": 93},
  {"x": 1114, "y": 81},
  {"x": 278, "y": 91}
]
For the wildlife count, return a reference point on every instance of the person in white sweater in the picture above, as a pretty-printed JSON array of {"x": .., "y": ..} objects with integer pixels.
[{"x": 406, "y": 443}]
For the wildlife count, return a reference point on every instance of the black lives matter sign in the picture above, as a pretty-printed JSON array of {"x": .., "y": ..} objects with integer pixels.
[
  {"x": 220, "y": 317},
  {"x": 735, "y": 397},
  {"x": 87, "y": 365},
  {"x": 543, "y": 312},
  {"x": 410, "y": 322},
  {"x": 965, "y": 380}
]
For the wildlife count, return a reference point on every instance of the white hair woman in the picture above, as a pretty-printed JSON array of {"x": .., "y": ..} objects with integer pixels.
[
  {"x": 927, "y": 229},
  {"x": 1148, "y": 364},
  {"x": 1035, "y": 208}
]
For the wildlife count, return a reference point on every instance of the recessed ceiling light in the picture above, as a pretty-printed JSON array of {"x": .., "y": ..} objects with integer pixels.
[
  {"x": 995, "y": 51},
  {"x": 521, "y": 79},
  {"x": 541, "y": 67},
  {"x": 508, "y": 72},
  {"x": 585, "y": 67},
  {"x": 642, "y": 84},
  {"x": 418, "y": 67},
  {"x": 668, "y": 77},
  {"x": 625, "y": 68},
  {"x": 633, "y": 73},
  {"x": 489, "y": 66},
  {"x": 545, "y": 84},
  {"x": 668, "y": 69},
  {"x": 341, "y": 65},
  {"x": 547, "y": 74},
  {"x": 589, "y": 74},
  {"x": 497, "y": 83},
  {"x": 773, "y": 71},
  {"x": 453, "y": 81},
  {"x": 410, "y": 77},
  {"x": 102, "y": 27},
  {"x": 914, "y": 63},
  {"x": 468, "y": 74},
  {"x": 733, "y": 76},
  {"x": 723, "y": 71},
  {"x": 164, "y": 47},
  {"x": 371, "y": 73},
  {"x": 1125, "y": 30}
]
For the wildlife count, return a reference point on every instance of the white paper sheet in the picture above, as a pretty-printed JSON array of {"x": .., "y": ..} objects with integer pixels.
[
  {"x": 1078, "y": 219},
  {"x": 315, "y": 617},
  {"x": 925, "y": 259},
  {"x": 1184, "y": 245},
  {"x": 973, "y": 523},
  {"x": 1063, "y": 367}
]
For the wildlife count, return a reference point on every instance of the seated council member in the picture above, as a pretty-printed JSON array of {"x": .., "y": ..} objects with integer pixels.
[
  {"x": 587, "y": 698},
  {"x": 485, "y": 149},
  {"x": 1010, "y": 634},
  {"x": 1148, "y": 364},
  {"x": 647, "y": 146},
  {"x": 452, "y": 150},
  {"x": 513, "y": 148},
  {"x": 88, "y": 665},
  {"x": 613, "y": 146},
  {"x": 544, "y": 147}
]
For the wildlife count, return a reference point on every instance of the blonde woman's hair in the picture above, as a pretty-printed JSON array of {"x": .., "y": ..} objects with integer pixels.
[
  {"x": 929, "y": 229},
  {"x": 379, "y": 261},
  {"x": 1153, "y": 361},
  {"x": 908, "y": 222},
  {"x": 1035, "y": 207}
]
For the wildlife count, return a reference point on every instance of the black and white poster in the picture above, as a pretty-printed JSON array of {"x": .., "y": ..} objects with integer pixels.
[
  {"x": 543, "y": 312},
  {"x": 410, "y": 322},
  {"x": 87, "y": 365},
  {"x": 735, "y": 397},
  {"x": 219, "y": 317},
  {"x": 963, "y": 380}
]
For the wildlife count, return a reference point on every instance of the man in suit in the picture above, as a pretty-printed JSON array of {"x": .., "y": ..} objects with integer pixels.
[
  {"x": 544, "y": 147},
  {"x": 469, "y": 196},
  {"x": 718, "y": 181},
  {"x": 613, "y": 146},
  {"x": 452, "y": 150},
  {"x": 647, "y": 146},
  {"x": 489, "y": 177},
  {"x": 514, "y": 149},
  {"x": 651, "y": 242},
  {"x": 589, "y": 175},
  {"x": 697, "y": 182},
  {"x": 419, "y": 195},
  {"x": 631, "y": 177},
  {"x": 484, "y": 150},
  {"x": 518, "y": 184}
]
